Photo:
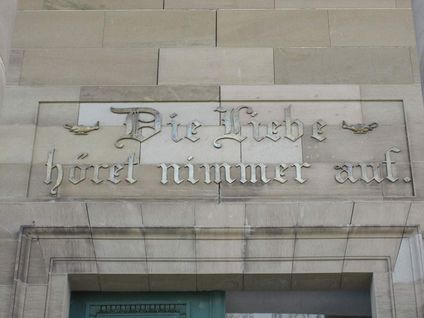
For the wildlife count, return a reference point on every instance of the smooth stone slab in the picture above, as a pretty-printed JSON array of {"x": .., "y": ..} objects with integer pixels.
[
  {"x": 216, "y": 66},
  {"x": 343, "y": 66},
  {"x": 161, "y": 28},
  {"x": 313, "y": 4},
  {"x": 101, "y": 4},
  {"x": 272, "y": 28},
  {"x": 16, "y": 142},
  {"x": 69, "y": 146},
  {"x": 43, "y": 29},
  {"x": 30, "y": 4},
  {"x": 268, "y": 151},
  {"x": 162, "y": 149},
  {"x": 371, "y": 28},
  {"x": 56, "y": 114},
  {"x": 203, "y": 112},
  {"x": 289, "y": 92},
  {"x": 149, "y": 93},
  {"x": 342, "y": 145},
  {"x": 219, "y": 4},
  {"x": 14, "y": 180},
  {"x": 90, "y": 67},
  {"x": 14, "y": 68}
]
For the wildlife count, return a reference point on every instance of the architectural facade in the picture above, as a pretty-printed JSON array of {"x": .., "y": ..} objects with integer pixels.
[{"x": 211, "y": 158}]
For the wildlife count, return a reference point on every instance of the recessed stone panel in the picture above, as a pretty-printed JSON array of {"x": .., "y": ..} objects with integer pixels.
[{"x": 263, "y": 149}]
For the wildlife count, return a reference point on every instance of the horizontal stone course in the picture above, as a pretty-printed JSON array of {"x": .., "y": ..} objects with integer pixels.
[
  {"x": 43, "y": 29},
  {"x": 272, "y": 28},
  {"x": 343, "y": 65},
  {"x": 161, "y": 28},
  {"x": 216, "y": 66},
  {"x": 371, "y": 28},
  {"x": 219, "y": 4},
  {"x": 90, "y": 67}
]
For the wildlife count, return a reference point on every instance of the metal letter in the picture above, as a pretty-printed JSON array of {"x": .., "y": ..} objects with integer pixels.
[
  {"x": 217, "y": 167},
  {"x": 345, "y": 173},
  {"x": 390, "y": 165},
  {"x": 165, "y": 167},
  {"x": 256, "y": 133},
  {"x": 113, "y": 173},
  {"x": 190, "y": 167},
  {"x": 135, "y": 124},
  {"x": 96, "y": 172},
  {"x": 299, "y": 167},
  {"x": 174, "y": 128},
  {"x": 130, "y": 175},
  {"x": 232, "y": 124},
  {"x": 375, "y": 171},
  {"x": 252, "y": 166},
  {"x": 279, "y": 173},
  {"x": 82, "y": 173},
  {"x": 272, "y": 131},
  {"x": 290, "y": 123},
  {"x": 50, "y": 167},
  {"x": 317, "y": 132},
  {"x": 192, "y": 131}
]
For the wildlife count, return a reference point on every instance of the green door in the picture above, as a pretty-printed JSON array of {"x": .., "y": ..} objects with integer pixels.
[{"x": 147, "y": 305}]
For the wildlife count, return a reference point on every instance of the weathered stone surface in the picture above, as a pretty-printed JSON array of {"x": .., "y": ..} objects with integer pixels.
[
  {"x": 90, "y": 66},
  {"x": 101, "y": 4},
  {"x": 224, "y": 215},
  {"x": 343, "y": 66},
  {"x": 168, "y": 214},
  {"x": 8, "y": 248},
  {"x": 15, "y": 66},
  {"x": 57, "y": 114},
  {"x": 335, "y": 4},
  {"x": 371, "y": 28},
  {"x": 216, "y": 66},
  {"x": 272, "y": 28},
  {"x": 5, "y": 292},
  {"x": 35, "y": 301},
  {"x": 30, "y": 4},
  {"x": 21, "y": 103},
  {"x": 149, "y": 93},
  {"x": 289, "y": 92},
  {"x": 219, "y": 4},
  {"x": 161, "y": 28},
  {"x": 380, "y": 213},
  {"x": 114, "y": 214},
  {"x": 14, "y": 180},
  {"x": 42, "y": 29},
  {"x": 18, "y": 140}
]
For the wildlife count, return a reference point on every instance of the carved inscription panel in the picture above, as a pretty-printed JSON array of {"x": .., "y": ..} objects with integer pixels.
[{"x": 230, "y": 149}]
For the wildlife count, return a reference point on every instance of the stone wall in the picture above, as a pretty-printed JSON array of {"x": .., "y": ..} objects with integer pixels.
[{"x": 224, "y": 52}]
